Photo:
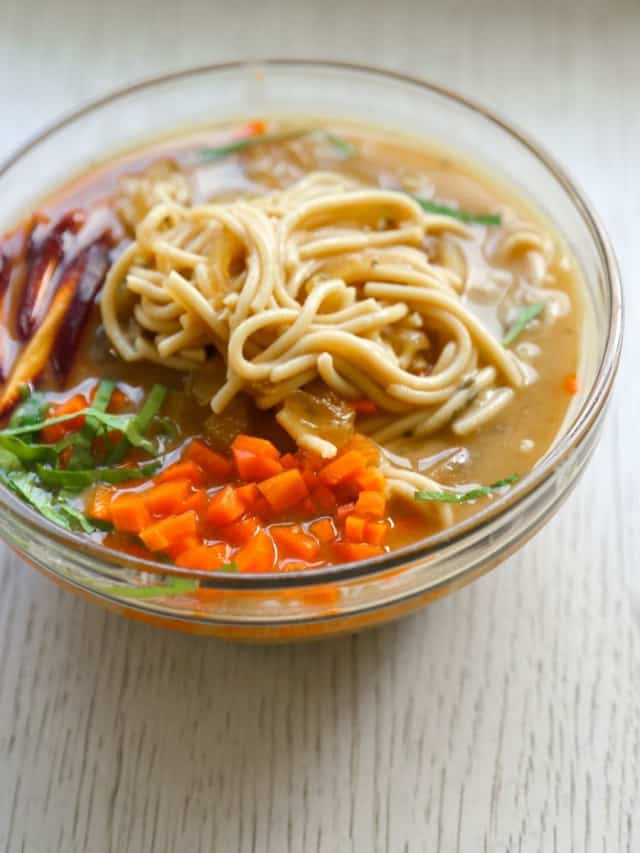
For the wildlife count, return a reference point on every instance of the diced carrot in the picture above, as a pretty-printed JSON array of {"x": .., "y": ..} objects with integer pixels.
[
  {"x": 294, "y": 542},
  {"x": 129, "y": 513},
  {"x": 179, "y": 470},
  {"x": 239, "y": 532},
  {"x": 289, "y": 461},
  {"x": 253, "y": 444},
  {"x": 204, "y": 557},
  {"x": 354, "y": 526},
  {"x": 251, "y": 467},
  {"x": 323, "y": 530},
  {"x": 343, "y": 511},
  {"x": 571, "y": 385},
  {"x": 342, "y": 467},
  {"x": 55, "y": 432},
  {"x": 258, "y": 555},
  {"x": 285, "y": 490},
  {"x": 98, "y": 503},
  {"x": 183, "y": 544},
  {"x": 310, "y": 477},
  {"x": 369, "y": 479},
  {"x": 224, "y": 507},
  {"x": 214, "y": 464},
  {"x": 256, "y": 128},
  {"x": 198, "y": 501},
  {"x": 118, "y": 402},
  {"x": 261, "y": 508},
  {"x": 375, "y": 532},
  {"x": 371, "y": 503},
  {"x": 350, "y": 551},
  {"x": 364, "y": 407},
  {"x": 248, "y": 494},
  {"x": 367, "y": 448},
  {"x": 167, "y": 498},
  {"x": 324, "y": 499},
  {"x": 163, "y": 533}
]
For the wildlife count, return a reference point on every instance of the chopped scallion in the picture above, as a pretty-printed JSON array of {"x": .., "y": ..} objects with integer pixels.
[
  {"x": 522, "y": 321},
  {"x": 450, "y": 497}
]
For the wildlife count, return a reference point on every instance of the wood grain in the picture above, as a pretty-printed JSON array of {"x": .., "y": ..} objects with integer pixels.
[{"x": 505, "y": 718}]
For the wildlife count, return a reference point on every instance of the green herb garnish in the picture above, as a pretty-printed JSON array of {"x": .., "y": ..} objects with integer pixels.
[
  {"x": 462, "y": 215},
  {"x": 177, "y": 586},
  {"x": 32, "y": 469},
  {"x": 220, "y": 151},
  {"x": 462, "y": 497},
  {"x": 522, "y": 321},
  {"x": 58, "y": 478}
]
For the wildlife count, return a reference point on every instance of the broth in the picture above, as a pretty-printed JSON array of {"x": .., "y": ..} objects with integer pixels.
[{"x": 504, "y": 265}]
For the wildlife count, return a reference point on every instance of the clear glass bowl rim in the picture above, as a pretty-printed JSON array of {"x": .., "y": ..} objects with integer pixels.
[{"x": 500, "y": 509}]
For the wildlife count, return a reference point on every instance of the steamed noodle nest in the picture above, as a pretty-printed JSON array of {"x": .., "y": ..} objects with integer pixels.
[{"x": 326, "y": 280}]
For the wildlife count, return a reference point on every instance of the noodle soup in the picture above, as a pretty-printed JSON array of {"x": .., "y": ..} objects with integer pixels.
[{"x": 275, "y": 347}]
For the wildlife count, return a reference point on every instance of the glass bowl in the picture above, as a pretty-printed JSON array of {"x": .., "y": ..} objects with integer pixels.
[{"x": 349, "y": 597}]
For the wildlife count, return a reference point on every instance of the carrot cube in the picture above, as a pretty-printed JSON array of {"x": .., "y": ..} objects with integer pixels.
[
  {"x": 167, "y": 498},
  {"x": 158, "y": 536},
  {"x": 285, "y": 490},
  {"x": 181, "y": 470},
  {"x": 354, "y": 527},
  {"x": 258, "y": 555},
  {"x": 323, "y": 530},
  {"x": 371, "y": 503},
  {"x": 129, "y": 513},
  {"x": 224, "y": 507},
  {"x": 239, "y": 532},
  {"x": 217, "y": 466},
  {"x": 342, "y": 467},
  {"x": 204, "y": 557},
  {"x": 293, "y": 542},
  {"x": 257, "y": 446}
]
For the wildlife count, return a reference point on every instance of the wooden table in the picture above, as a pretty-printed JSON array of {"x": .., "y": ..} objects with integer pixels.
[{"x": 504, "y": 718}]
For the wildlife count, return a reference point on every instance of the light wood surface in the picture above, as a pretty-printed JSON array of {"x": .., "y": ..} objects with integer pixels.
[{"x": 504, "y": 718}]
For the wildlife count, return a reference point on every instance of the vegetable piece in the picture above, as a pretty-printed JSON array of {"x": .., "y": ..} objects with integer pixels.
[
  {"x": 28, "y": 453},
  {"x": 346, "y": 149},
  {"x": 571, "y": 384},
  {"x": 25, "y": 484},
  {"x": 354, "y": 528},
  {"x": 461, "y": 497},
  {"x": 98, "y": 504},
  {"x": 375, "y": 532},
  {"x": 371, "y": 503},
  {"x": 56, "y": 432},
  {"x": 349, "y": 552},
  {"x": 293, "y": 542},
  {"x": 88, "y": 269},
  {"x": 129, "y": 513},
  {"x": 323, "y": 530},
  {"x": 285, "y": 490},
  {"x": 288, "y": 461},
  {"x": 323, "y": 498},
  {"x": 239, "y": 532},
  {"x": 249, "y": 494},
  {"x": 173, "y": 587},
  {"x": 253, "y": 467},
  {"x": 81, "y": 479},
  {"x": 82, "y": 455},
  {"x": 342, "y": 467},
  {"x": 43, "y": 262},
  {"x": 37, "y": 352},
  {"x": 163, "y": 533},
  {"x": 454, "y": 213},
  {"x": 258, "y": 446},
  {"x": 258, "y": 555},
  {"x": 208, "y": 558},
  {"x": 184, "y": 543},
  {"x": 31, "y": 410},
  {"x": 137, "y": 425},
  {"x": 167, "y": 498},
  {"x": 198, "y": 501},
  {"x": 370, "y": 480},
  {"x": 224, "y": 507},
  {"x": 344, "y": 510},
  {"x": 364, "y": 407},
  {"x": 217, "y": 466},
  {"x": 181, "y": 471},
  {"x": 522, "y": 321}
]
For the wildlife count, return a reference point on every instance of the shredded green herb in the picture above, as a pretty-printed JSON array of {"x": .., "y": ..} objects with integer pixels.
[
  {"x": 32, "y": 469},
  {"x": 449, "y": 497},
  {"x": 346, "y": 149},
  {"x": 77, "y": 480},
  {"x": 522, "y": 321},
  {"x": 175, "y": 586},
  {"x": 462, "y": 215}
]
